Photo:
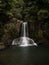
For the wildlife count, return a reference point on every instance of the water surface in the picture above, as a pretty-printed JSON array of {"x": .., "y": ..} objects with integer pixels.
[{"x": 24, "y": 56}]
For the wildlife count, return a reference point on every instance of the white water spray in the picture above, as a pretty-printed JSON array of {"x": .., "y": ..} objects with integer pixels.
[{"x": 24, "y": 40}]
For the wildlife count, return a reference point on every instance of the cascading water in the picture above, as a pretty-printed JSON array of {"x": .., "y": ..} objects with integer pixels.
[
  {"x": 24, "y": 40},
  {"x": 24, "y": 30}
]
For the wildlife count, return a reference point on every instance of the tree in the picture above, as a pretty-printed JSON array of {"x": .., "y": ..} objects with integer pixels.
[{"x": 36, "y": 12}]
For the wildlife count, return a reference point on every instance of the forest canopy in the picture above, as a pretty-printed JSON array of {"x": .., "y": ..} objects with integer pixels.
[{"x": 35, "y": 12}]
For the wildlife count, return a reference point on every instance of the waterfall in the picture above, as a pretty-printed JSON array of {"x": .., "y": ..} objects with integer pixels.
[
  {"x": 24, "y": 24},
  {"x": 24, "y": 30},
  {"x": 24, "y": 40}
]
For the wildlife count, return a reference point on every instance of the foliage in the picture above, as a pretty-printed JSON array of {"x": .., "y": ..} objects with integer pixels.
[
  {"x": 10, "y": 31},
  {"x": 43, "y": 14},
  {"x": 35, "y": 11}
]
